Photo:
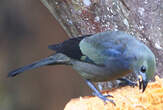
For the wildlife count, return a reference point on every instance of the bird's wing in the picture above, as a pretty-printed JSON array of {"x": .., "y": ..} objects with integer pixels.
[
  {"x": 104, "y": 46},
  {"x": 69, "y": 47}
]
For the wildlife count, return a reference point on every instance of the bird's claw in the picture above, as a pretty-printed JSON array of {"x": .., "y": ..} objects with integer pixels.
[
  {"x": 108, "y": 95},
  {"x": 98, "y": 94},
  {"x": 127, "y": 82},
  {"x": 104, "y": 98},
  {"x": 132, "y": 84}
]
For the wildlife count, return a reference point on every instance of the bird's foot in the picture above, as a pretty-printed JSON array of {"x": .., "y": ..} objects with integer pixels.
[
  {"x": 98, "y": 94},
  {"x": 108, "y": 95},
  {"x": 127, "y": 82},
  {"x": 104, "y": 97}
]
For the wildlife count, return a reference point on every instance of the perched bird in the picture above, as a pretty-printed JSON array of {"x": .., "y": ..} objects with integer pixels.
[{"x": 100, "y": 57}]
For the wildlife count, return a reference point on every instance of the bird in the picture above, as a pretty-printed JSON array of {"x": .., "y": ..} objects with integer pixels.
[{"x": 104, "y": 56}]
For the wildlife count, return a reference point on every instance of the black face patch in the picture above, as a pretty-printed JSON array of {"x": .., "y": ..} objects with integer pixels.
[{"x": 69, "y": 47}]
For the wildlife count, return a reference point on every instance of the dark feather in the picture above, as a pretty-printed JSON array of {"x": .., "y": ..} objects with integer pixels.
[{"x": 69, "y": 47}]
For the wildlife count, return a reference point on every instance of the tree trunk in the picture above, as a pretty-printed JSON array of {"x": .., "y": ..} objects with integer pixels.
[{"x": 141, "y": 18}]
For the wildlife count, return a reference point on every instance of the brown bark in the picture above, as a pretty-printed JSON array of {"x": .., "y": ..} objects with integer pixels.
[{"x": 140, "y": 18}]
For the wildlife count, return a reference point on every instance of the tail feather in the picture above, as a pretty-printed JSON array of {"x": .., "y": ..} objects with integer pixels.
[{"x": 54, "y": 59}]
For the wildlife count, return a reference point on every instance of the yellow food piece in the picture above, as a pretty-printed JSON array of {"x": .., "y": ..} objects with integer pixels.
[{"x": 126, "y": 98}]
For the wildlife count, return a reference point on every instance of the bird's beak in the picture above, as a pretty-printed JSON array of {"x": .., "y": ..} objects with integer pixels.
[{"x": 143, "y": 82}]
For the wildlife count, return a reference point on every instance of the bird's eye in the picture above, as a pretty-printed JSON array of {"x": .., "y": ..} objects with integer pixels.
[{"x": 143, "y": 69}]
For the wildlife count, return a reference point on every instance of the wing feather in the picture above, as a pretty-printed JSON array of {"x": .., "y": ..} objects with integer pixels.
[{"x": 105, "y": 45}]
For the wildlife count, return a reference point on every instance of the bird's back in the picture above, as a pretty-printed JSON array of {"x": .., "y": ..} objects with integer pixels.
[{"x": 107, "y": 45}]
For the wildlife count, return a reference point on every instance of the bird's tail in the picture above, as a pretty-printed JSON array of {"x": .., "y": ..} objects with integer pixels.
[{"x": 57, "y": 58}]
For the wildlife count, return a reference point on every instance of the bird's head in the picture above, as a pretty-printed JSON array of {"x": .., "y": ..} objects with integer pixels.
[{"x": 144, "y": 67}]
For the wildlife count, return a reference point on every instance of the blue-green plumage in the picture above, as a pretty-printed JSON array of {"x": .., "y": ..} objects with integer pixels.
[
  {"x": 103, "y": 56},
  {"x": 116, "y": 52}
]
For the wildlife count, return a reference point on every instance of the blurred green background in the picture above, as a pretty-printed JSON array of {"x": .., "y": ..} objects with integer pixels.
[{"x": 26, "y": 29}]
